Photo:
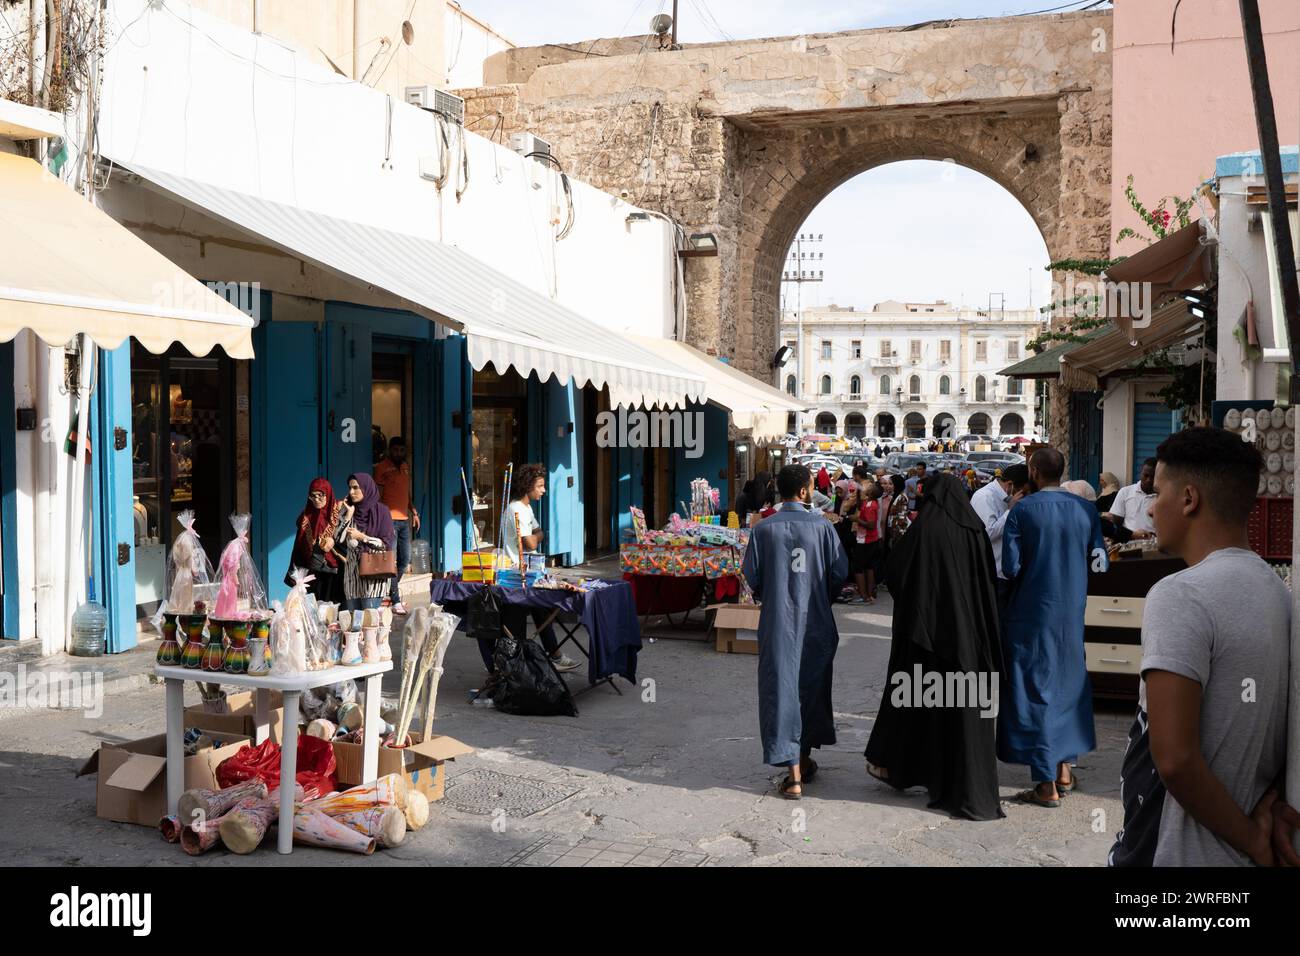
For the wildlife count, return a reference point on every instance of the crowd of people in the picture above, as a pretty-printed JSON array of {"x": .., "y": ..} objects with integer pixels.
[{"x": 992, "y": 584}]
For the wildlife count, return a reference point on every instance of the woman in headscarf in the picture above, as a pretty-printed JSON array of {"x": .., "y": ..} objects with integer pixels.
[
  {"x": 900, "y": 518},
  {"x": 1109, "y": 489},
  {"x": 945, "y": 624},
  {"x": 751, "y": 497},
  {"x": 1081, "y": 488},
  {"x": 316, "y": 544},
  {"x": 366, "y": 521}
]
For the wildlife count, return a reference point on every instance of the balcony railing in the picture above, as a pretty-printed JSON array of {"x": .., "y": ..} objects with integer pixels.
[{"x": 881, "y": 361}]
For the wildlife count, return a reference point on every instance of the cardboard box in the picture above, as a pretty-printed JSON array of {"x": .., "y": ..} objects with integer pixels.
[
  {"x": 736, "y": 626},
  {"x": 132, "y": 784},
  {"x": 242, "y": 719},
  {"x": 423, "y": 763}
]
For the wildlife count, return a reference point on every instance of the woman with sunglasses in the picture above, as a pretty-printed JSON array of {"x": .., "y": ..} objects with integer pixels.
[{"x": 316, "y": 545}]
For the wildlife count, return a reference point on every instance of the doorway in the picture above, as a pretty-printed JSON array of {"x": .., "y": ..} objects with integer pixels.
[
  {"x": 390, "y": 397},
  {"x": 182, "y": 458},
  {"x": 497, "y": 439}
]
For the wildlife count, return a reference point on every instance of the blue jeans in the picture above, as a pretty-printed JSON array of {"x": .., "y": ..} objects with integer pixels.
[
  {"x": 403, "y": 529},
  {"x": 360, "y": 604}
]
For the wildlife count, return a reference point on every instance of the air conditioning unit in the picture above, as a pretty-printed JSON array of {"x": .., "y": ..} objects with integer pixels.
[
  {"x": 961, "y": 391},
  {"x": 526, "y": 144},
  {"x": 430, "y": 98}
]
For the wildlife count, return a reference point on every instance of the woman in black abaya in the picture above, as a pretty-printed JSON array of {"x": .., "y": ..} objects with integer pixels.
[{"x": 941, "y": 579}]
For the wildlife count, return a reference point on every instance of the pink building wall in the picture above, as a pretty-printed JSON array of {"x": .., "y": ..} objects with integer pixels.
[{"x": 1176, "y": 112}]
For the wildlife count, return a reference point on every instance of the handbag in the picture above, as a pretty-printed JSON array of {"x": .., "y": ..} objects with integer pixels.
[{"x": 378, "y": 564}]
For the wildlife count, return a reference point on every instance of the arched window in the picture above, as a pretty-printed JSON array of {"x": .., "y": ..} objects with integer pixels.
[
  {"x": 914, "y": 385},
  {"x": 1015, "y": 387},
  {"x": 789, "y": 384},
  {"x": 980, "y": 389},
  {"x": 826, "y": 384},
  {"x": 855, "y": 386},
  {"x": 884, "y": 385},
  {"x": 944, "y": 385}
]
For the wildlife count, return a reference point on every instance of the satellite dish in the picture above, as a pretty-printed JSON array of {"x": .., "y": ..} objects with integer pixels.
[
  {"x": 408, "y": 32},
  {"x": 661, "y": 24}
]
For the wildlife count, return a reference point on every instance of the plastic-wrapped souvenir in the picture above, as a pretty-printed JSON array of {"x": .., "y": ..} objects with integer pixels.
[
  {"x": 240, "y": 594},
  {"x": 188, "y": 570}
]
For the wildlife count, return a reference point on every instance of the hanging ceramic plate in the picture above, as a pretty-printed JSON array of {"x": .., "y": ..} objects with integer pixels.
[
  {"x": 1290, "y": 417},
  {"x": 1288, "y": 462},
  {"x": 1278, "y": 416},
  {"x": 1288, "y": 485},
  {"x": 1288, "y": 441},
  {"x": 1263, "y": 484},
  {"x": 1273, "y": 441},
  {"x": 1248, "y": 414},
  {"x": 1275, "y": 484},
  {"x": 1232, "y": 419},
  {"x": 1273, "y": 463}
]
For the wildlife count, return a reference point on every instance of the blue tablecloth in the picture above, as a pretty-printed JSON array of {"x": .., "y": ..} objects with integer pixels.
[{"x": 608, "y": 614}]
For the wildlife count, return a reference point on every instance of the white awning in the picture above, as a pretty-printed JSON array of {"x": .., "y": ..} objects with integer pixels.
[
  {"x": 754, "y": 405},
  {"x": 507, "y": 324},
  {"x": 68, "y": 268}
]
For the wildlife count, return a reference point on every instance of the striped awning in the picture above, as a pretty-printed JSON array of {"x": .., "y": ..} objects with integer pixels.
[
  {"x": 507, "y": 324},
  {"x": 1082, "y": 368}
]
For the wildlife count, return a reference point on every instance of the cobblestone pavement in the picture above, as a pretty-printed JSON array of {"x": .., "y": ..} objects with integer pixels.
[{"x": 669, "y": 773}]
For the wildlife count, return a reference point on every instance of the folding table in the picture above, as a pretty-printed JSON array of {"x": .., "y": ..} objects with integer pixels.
[{"x": 291, "y": 688}]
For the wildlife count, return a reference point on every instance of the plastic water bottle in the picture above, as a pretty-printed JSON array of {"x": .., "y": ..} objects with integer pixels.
[{"x": 89, "y": 622}]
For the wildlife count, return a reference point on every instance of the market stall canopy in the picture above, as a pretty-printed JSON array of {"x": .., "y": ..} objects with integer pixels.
[
  {"x": 67, "y": 268},
  {"x": 506, "y": 323},
  {"x": 1047, "y": 364},
  {"x": 754, "y": 405},
  {"x": 1179, "y": 262},
  {"x": 1084, "y": 367}
]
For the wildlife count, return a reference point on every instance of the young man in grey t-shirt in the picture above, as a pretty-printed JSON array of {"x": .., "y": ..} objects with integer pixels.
[{"x": 1215, "y": 670}]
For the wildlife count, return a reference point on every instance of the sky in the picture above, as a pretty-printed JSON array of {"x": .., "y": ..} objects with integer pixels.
[{"x": 911, "y": 231}]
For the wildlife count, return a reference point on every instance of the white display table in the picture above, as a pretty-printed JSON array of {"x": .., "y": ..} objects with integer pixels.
[{"x": 291, "y": 688}]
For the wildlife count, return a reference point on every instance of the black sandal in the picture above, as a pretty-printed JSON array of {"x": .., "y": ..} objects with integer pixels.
[
  {"x": 784, "y": 788},
  {"x": 811, "y": 772},
  {"x": 872, "y": 771}
]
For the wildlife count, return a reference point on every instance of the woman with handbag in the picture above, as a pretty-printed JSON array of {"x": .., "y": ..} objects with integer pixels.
[
  {"x": 368, "y": 533},
  {"x": 316, "y": 544}
]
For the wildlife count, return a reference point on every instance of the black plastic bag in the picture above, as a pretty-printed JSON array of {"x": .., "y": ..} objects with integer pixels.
[
  {"x": 526, "y": 683},
  {"x": 483, "y": 615}
]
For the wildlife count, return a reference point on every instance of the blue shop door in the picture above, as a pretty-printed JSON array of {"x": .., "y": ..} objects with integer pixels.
[
  {"x": 349, "y": 441},
  {"x": 710, "y": 449},
  {"x": 286, "y": 384},
  {"x": 110, "y": 479},
  {"x": 629, "y": 485},
  {"x": 450, "y": 414},
  {"x": 563, "y": 502},
  {"x": 1153, "y": 422},
  {"x": 1085, "y": 436}
]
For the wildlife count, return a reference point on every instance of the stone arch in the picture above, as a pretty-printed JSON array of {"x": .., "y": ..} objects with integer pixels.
[
  {"x": 827, "y": 424},
  {"x": 914, "y": 425},
  {"x": 979, "y": 424},
  {"x": 786, "y": 173},
  {"x": 855, "y": 425},
  {"x": 945, "y": 426},
  {"x": 885, "y": 425},
  {"x": 1011, "y": 424}
]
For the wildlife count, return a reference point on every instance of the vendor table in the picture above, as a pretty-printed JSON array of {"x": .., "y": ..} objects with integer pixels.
[
  {"x": 608, "y": 614},
  {"x": 670, "y": 579},
  {"x": 291, "y": 688}
]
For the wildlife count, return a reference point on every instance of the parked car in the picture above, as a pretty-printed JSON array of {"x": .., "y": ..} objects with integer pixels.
[
  {"x": 899, "y": 462},
  {"x": 1009, "y": 457}
]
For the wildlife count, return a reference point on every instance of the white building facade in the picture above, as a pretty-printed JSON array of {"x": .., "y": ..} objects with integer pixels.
[{"x": 914, "y": 369}]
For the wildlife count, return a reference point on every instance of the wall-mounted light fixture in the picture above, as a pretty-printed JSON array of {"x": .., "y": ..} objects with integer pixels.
[{"x": 700, "y": 245}]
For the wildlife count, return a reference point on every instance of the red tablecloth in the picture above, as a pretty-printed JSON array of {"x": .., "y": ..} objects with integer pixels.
[{"x": 664, "y": 594}]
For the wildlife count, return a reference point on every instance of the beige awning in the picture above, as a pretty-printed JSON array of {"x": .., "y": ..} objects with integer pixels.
[
  {"x": 1179, "y": 262},
  {"x": 67, "y": 268},
  {"x": 1083, "y": 367},
  {"x": 755, "y": 406}
]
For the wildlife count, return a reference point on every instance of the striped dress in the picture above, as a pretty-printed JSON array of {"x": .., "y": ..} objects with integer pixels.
[{"x": 356, "y": 587}]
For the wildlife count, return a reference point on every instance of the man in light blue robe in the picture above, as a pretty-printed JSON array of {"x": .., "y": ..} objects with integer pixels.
[
  {"x": 1049, "y": 542},
  {"x": 795, "y": 564}
]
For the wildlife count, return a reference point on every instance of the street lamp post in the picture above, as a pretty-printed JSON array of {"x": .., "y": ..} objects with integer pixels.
[{"x": 798, "y": 274}]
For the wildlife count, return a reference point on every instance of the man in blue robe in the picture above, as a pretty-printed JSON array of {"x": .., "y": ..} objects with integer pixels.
[
  {"x": 1049, "y": 542},
  {"x": 794, "y": 564}
]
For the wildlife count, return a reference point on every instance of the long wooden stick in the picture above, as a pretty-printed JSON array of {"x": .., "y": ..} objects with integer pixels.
[{"x": 469, "y": 507}]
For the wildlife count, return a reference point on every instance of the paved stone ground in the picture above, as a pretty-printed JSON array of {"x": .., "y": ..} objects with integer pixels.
[{"x": 669, "y": 778}]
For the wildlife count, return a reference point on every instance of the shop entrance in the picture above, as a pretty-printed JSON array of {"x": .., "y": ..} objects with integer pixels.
[
  {"x": 182, "y": 458},
  {"x": 497, "y": 438},
  {"x": 390, "y": 402}
]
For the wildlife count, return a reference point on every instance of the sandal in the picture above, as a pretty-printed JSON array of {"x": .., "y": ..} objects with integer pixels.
[
  {"x": 880, "y": 773},
  {"x": 1067, "y": 787},
  {"x": 810, "y": 772},
  {"x": 1031, "y": 796},
  {"x": 785, "y": 788}
]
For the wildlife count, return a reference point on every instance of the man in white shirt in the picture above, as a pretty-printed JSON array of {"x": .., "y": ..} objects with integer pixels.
[
  {"x": 1132, "y": 505},
  {"x": 993, "y": 503}
]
